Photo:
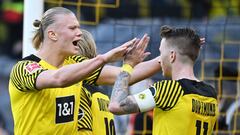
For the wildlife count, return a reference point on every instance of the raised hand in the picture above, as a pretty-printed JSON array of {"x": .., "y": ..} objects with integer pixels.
[
  {"x": 118, "y": 53},
  {"x": 136, "y": 53}
]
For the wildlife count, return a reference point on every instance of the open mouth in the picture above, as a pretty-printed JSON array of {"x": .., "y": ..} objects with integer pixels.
[{"x": 75, "y": 43}]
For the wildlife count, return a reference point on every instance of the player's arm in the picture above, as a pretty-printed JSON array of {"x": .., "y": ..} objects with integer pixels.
[
  {"x": 70, "y": 74},
  {"x": 141, "y": 71},
  {"x": 123, "y": 103},
  {"x": 145, "y": 70}
]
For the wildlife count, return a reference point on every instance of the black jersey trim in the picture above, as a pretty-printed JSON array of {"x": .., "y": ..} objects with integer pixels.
[
  {"x": 32, "y": 57},
  {"x": 93, "y": 88},
  {"x": 200, "y": 88}
]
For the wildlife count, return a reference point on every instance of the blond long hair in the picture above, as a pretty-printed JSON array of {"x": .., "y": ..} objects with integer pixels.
[{"x": 87, "y": 45}]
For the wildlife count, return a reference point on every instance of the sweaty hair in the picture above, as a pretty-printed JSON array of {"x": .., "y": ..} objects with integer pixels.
[
  {"x": 48, "y": 18},
  {"x": 87, "y": 45},
  {"x": 184, "y": 39}
]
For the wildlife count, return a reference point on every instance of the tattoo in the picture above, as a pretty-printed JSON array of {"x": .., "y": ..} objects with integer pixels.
[
  {"x": 120, "y": 88},
  {"x": 129, "y": 106},
  {"x": 120, "y": 94}
]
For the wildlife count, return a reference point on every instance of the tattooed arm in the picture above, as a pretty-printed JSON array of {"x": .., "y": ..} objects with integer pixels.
[{"x": 121, "y": 102}]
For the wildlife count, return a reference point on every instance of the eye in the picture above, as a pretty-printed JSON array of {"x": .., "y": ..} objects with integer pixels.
[{"x": 72, "y": 27}]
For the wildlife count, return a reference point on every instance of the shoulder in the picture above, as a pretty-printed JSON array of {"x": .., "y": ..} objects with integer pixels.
[
  {"x": 27, "y": 65},
  {"x": 199, "y": 88},
  {"x": 24, "y": 73}
]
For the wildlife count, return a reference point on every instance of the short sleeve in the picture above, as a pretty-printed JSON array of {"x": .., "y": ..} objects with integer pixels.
[
  {"x": 24, "y": 74},
  {"x": 166, "y": 94}
]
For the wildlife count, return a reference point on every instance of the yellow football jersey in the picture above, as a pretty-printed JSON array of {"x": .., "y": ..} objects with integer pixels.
[
  {"x": 184, "y": 107},
  {"x": 103, "y": 120},
  {"x": 96, "y": 118},
  {"x": 52, "y": 111},
  {"x": 85, "y": 119}
]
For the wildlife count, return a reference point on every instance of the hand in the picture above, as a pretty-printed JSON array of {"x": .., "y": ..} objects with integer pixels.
[
  {"x": 118, "y": 53},
  {"x": 137, "y": 53}
]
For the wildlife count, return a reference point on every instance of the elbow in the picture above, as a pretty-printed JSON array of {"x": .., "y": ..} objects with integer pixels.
[
  {"x": 114, "y": 108},
  {"x": 61, "y": 82}
]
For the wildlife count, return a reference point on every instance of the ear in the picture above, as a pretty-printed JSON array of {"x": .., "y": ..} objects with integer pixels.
[
  {"x": 52, "y": 35},
  {"x": 173, "y": 56}
]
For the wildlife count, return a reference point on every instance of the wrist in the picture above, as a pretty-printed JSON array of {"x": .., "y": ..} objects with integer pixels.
[
  {"x": 102, "y": 58},
  {"x": 127, "y": 68},
  {"x": 132, "y": 64}
]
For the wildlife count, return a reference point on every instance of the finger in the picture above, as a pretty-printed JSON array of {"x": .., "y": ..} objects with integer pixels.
[
  {"x": 141, "y": 44},
  {"x": 134, "y": 45},
  {"x": 146, "y": 43},
  {"x": 137, "y": 42},
  {"x": 141, "y": 41},
  {"x": 146, "y": 54},
  {"x": 129, "y": 43}
]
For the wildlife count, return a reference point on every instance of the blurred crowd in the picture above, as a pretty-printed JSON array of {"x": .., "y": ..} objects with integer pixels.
[
  {"x": 11, "y": 28},
  {"x": 164, "y": 8}
]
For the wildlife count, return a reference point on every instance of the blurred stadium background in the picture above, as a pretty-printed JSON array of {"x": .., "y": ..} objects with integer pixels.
[{"x": 114, "y": 21}]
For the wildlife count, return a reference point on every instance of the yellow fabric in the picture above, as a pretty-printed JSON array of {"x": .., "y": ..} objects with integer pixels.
[
  {"x": 103, "y": 120},
  {"x": 85, "y": 132},
  {"x": 127, "y": 68},
  {"x": 178, "y": 113},
  {"x": 52, "y": 111},
  {"x": 85, "y": 113}
]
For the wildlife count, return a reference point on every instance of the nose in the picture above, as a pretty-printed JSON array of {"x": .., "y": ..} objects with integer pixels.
[{"x": 79, "y": 33}]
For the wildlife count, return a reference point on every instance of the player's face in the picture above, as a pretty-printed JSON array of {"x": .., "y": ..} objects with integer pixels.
[
  {"x": 164, "y": 58},
  {"x": 68, "y": 33}
]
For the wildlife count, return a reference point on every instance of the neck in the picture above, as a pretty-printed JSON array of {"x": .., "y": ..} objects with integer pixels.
[
  {"x": 181, "y": 71},
  {"x": 51, "y": 55}
]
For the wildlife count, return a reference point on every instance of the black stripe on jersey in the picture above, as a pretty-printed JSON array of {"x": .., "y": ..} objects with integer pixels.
[
  {"x": 86, "y": 107},
  {"x": 177, "y": 93},
  {"x": 168, "y": 93},
  {"x": 169, "y": 99},
  {"x": 84, "y": 129},
  {"x": 93, "y": 89},
  {"x": 86, "y": 96},
  {"x": 87, "y": 113},
  {"x": 83, "y": 124},
  {"x": 94, "y": 76},
  {"x": 200, "y": 88},
  {"x": 23, "y": 80},
  {"x": 77, "y": 58},
  {"x": 85, "y": 102},
  {"x": 32, "y": 58},
  {"x": 167, "y": 89}
]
